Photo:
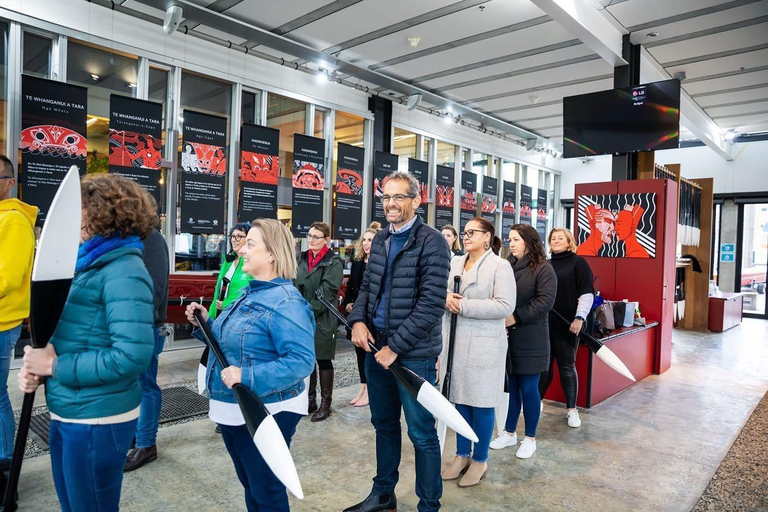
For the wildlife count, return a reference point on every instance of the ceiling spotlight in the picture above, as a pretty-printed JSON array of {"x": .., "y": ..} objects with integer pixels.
[
  {"x": 94, "y": 77},
  {"x": 172, "y": 19},
  {"x": 533, "y": 99},
  {"x": 414, "y": 100},
  {"x": 414, "y": 41},
  {"x": 652, "y": 34},
  {"x": 322, "y": 76},
  {"x": 131, "y": 85},
  {"x": 730, "y": 135},
  {"x": 447, "y": 118}
]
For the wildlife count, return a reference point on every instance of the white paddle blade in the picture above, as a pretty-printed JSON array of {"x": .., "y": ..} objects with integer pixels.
[
  {"x": 442, "y": 429},
  {"x": 59, "y": 241},
  {"x": 271, "y": 445},
  {"x": 442, "y": 409},
  {"x": 201, "y": 370},
  {"x": 607, "y": 356}
]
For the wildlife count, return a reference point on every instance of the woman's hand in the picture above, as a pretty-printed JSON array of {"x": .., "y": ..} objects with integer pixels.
[
  {"x": 350, "y": 306},
  {"x": 219, "y": 305},
  {"x": 191, "y": 313},
  {"x": 576, "y": 326},
  {"x": 28, "y": 383},
  {"x": 39, "y": 361},
  {"x": 452, "y": 302},
  {"x": 231, "y": 375},
  {"x": 510, "y": 321}
]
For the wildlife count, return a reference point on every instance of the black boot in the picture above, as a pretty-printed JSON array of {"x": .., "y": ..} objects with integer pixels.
[
  {"x": 5, "y": 471},
  {"x": 375, "y": 503},
  {"x": 139, "y": 457},
  {"x": 313, "y": 392},
  {"x": 326, "y": 394}
]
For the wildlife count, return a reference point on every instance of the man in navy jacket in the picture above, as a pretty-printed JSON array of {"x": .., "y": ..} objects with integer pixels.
[{"x": 399, "y": 308}]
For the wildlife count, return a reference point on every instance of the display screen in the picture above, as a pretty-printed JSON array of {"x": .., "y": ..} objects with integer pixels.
[{"x": 641, "y": 118}]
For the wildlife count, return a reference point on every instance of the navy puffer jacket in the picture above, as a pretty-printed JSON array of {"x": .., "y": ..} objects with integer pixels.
[{"x": 418, "y": 285}]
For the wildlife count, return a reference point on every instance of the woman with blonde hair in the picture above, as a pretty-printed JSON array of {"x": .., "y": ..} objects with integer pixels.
[
  {"x": 267, "y": 335},
  {"x": 452, "y": 237},
  {"x": 359, "y": 261},
  {"x": 573, "y": 301}
]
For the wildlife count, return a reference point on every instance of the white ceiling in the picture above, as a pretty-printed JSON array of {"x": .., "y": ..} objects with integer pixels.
[{"x": 509, "y": 59}]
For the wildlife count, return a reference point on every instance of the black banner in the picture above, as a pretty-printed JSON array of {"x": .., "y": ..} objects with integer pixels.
[
  {"x": 468, "y": 198},
  {"x": 204, "y": 166},
  {"x": 135, "y": 142},
  {"x": 383, "y": 165},
  {"x": 420, "y": 171},
  {"x": 541, "y": 215},
  {"x": 490, "y": 199},
  {"x": 259, "y": 172},
  {"x": 444, "y": 196},
  {"x": 348, "y": 211},
  {"x": 53, "y": 138},
  {"x": 526, "y": 204},
  {"x": 508, "y": 207},
  {"x": 308, "y": 182}
]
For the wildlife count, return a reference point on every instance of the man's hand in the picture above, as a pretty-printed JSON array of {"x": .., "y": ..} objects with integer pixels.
[
  {"x": 385, "y": 357},
  {"x": 361, "y": 336}
]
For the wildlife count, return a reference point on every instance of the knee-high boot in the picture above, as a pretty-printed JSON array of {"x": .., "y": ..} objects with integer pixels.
[
  {"x": 326, "y": 395},
  {"x": 313, "y": 392}
]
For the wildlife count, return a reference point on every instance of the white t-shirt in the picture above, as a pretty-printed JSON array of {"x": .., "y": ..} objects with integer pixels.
[{"x": 225, "y": 413}]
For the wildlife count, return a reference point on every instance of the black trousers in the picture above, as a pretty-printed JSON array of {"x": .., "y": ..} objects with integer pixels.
[{"x": 564, "y": 345}]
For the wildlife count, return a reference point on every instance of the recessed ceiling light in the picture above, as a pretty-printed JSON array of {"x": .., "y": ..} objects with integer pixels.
[
  {"x": 652, "y": 34},
  {"x": 94, "y": 77},
  {"x": 414, "y": 41}
]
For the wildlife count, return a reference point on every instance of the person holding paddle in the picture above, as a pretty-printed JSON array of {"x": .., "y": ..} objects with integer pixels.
[
  {"x": 486, "y": 297},
  {"x": 232, "y": 279},
  {"x": 267, "y": 336}
]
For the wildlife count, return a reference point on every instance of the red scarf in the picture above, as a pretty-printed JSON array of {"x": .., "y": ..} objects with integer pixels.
[{"x": 313, "y": 261}]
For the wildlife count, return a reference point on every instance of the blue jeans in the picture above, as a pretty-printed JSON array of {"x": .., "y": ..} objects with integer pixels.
[
  {"x": 481, "y": 421},
  {"x": 263, "y": 491},
  {"x": 8, "y": 341},
  {"x": 524, "y": 392},
  {"x": 87, "y": 463},
  {"x": 387, "y": 396},
  {"x": 149, "y": 417}
]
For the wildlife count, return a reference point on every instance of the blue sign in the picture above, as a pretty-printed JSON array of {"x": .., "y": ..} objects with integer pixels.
[
  {"x": 727, "y": 247},
  {"x": 728, "y": 257}
]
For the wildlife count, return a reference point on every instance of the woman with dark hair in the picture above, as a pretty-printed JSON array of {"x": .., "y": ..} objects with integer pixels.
[
  {"x": 574, "y": 300},
  {"x": 232, "y": 280},
  {"x": 452, "y": 237},
  {"x": 486, "y": 297},
  {"x": 321, "y": 269},
  {"x": 359, "y": 261},
  {"x": 102, "y": 344},
  {"x": 528, "y": 335}
]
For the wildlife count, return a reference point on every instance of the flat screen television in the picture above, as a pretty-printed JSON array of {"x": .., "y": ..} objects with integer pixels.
[{"x": 640, "y": 118}]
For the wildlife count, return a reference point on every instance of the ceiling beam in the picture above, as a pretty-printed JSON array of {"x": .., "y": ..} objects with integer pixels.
[{"x": 582, "y": 19}]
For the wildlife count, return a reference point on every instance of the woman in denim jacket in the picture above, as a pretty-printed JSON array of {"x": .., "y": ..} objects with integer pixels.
[{"x": 267, "y": 336}]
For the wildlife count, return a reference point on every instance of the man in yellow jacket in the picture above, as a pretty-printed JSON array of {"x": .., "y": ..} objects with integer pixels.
[{"x": 17, "y": 249}]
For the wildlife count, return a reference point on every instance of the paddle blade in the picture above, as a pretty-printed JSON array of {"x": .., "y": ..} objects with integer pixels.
[
  {"x": 202, "y": 369},
  {"x": 442, "y": 430},
  {"x": 443, "y": 410},
  {"x": 607, "y": 356},
  {"x": 47, "y": 301}
]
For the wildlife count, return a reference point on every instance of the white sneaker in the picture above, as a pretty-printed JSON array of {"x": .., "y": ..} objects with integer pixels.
[
  {"x": 527, "y": 447},
  {"x": 505, "y": 439},
  {"x": 541, "y": 407},
  {"x": 573, "y": 419}
]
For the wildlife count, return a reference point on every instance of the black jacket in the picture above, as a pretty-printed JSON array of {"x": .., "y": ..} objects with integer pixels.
[
  {"x": 156, "y": 261},
  {"x": 354, "y": 282},
  {"x": 418, "y": 287},
  {"x": 529, "y": 337}
]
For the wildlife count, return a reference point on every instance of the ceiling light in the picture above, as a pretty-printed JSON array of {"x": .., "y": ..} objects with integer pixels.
[
  {"x": 94, "y": 77},
  {"x": 131, "y": 85},
  {"x": 652, "y": 34},
  {"x": 322, "y": 76},
  {"x": 447, "y": 118},
  {"x": 414, "y": 41},
  {"x": 730, "y": 135}
]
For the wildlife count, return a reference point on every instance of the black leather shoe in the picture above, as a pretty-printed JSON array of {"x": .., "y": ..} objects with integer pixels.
[
  {"x": 138, "y": 457},
  {"x": 375, "y": 503},
  {"x": 217, "y": 429}
]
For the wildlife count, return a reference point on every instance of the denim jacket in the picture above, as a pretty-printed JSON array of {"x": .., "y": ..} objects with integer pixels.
[{"x": 269, "y": 333}]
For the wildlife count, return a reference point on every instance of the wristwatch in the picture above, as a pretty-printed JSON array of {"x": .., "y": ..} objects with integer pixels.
[{"x": 579, "y": 317}]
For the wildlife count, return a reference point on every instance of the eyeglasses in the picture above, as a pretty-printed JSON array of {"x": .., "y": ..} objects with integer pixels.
[
  {"x": 399, "y": 198},
  {"x": 236, "y": 238},
  {"x": 471, "y": 232},
  {"x": 312, "y": 238},
  {"x": 7, "y": 178}
]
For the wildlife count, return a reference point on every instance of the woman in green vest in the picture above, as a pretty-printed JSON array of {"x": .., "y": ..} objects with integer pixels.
[
  {"x": 321, "y": 269},
  {"x": 231, "y": 279}
]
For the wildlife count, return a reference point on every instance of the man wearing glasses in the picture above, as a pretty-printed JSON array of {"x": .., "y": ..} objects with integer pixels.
[
  {"x": 399, "y": 308},
  {"x": 17, "y": 248}
]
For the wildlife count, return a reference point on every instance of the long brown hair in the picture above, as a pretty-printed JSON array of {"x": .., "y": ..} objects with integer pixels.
[
  {"x": 533, "y": 245},
  {"x": 374, "y": 228}
]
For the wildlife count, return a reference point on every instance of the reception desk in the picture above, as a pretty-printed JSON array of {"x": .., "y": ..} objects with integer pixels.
[
  {"x": 725, "y": 311},
  {"x": 635, "y": 346}
]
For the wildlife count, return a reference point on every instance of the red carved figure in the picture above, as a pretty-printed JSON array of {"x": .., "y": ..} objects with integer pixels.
[{"x": 52, "y": 140}]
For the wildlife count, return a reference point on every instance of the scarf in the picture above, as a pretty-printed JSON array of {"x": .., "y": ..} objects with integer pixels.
[
  {"x": 313, "y": 261},
  {"x": 98, "y": 246}
]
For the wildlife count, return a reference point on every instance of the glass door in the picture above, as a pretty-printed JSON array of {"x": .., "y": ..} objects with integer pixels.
[{"x": 754, "y": 258}]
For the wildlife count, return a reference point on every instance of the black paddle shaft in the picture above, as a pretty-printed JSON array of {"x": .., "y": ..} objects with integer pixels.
[
  {"x": 593, "y": 344},
  {"x": 451, "y": 343}
]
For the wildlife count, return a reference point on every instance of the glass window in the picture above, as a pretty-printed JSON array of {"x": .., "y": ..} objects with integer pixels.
[
  {"x": 103, "y": 73},
  {"x": 446, "y": 154},
  {"x": 3, "y": 84},
  {"x": 405, "y": 147},
  {"x": 480, "y": 164},
  {"x": 289, "y": 116},
  {"x": 202, "y": 94},
  {"x": 248, "y": 108},
  {"x": 158, "y": 91},
  {"x": 37, "y": 55},
  {"x": 754, "y": 257},
  {"x": 319, "y": 123}
]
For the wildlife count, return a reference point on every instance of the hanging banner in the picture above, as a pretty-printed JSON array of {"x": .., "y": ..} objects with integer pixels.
[
  {"x": 135, "y": 142},
  {"x": 259, "y": 172},
  {"x": 444, "y": 196},
  {"x": 617, "y": 225},
  {"x": 383, "y": 165},
  {"x": 541, "y": 215},
  {"x": 204, "y": 166},
  {"x": 508, "y": 207},
  {"x": 468, "y": 198},
  {"x": 526, "y": 204},
  {"x": 53, "y": 138},
  {"x": 420, "y": 171},
  {"x": 490, "y": 199},
  {"x": 308, "y": 182},
  {"x": 348, "y": 211}
]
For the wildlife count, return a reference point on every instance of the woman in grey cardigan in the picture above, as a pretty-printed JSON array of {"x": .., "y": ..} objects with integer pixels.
[
  {"x": 486, "y": 297},
  {"x": 528, "y": 334}
]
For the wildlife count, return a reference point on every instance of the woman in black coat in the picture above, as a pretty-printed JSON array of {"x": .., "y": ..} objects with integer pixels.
[
  {"x": 528, "y": 335},
  {"x": 359, "y": 260}
]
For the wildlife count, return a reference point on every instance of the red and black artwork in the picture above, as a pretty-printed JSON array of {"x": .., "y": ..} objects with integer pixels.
[
  {"x": 308, "y": 180},
  {"x": 348, "y": 206},
  {"x": 53, "y": 140},
  {"x": 617, "y": 225},
  {"x": 199, "y": 158},
  {"x": 383, "y": 165},
  {"x": 259, "y": 172},
  {"x": 349, "y": 182},
  {"x": 258, "y": 168},
  {"x": 444, "y": 196},
  {"x": 130, "y": 149},
  {"x": 308, "y": 175}
]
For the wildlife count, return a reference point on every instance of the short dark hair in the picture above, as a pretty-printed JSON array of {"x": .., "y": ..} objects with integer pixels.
[
  {"x": 324, "y": 228},
  {"x": 7, "y": 167}
]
